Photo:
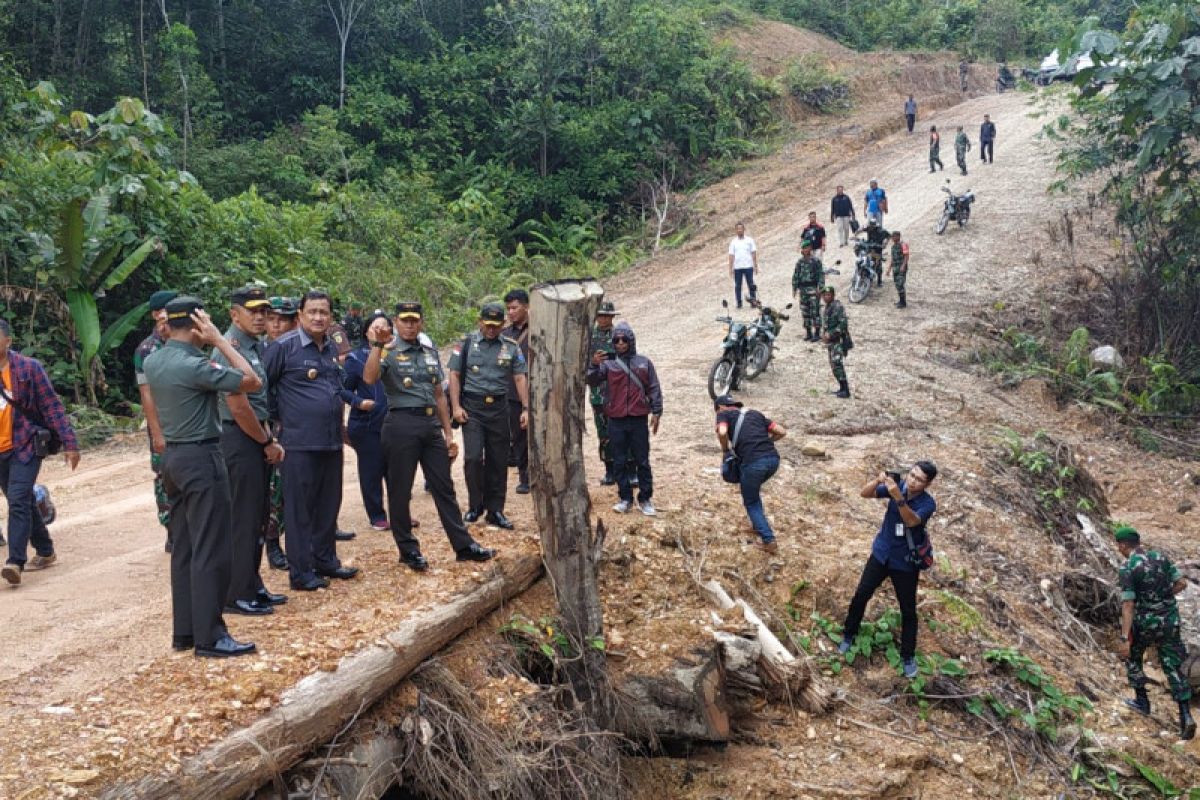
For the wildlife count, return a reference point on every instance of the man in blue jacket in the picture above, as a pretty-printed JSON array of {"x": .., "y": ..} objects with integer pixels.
[{"x": 364, "y": 429}]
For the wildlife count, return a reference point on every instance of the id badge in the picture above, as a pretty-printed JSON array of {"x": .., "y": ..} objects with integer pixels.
[{"x": 900, "y": 530}]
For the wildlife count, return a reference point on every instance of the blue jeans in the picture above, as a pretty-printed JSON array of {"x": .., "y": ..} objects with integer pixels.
[
  {"x": 24, "y": 522},
  {"x": 746, "y": 275},
  {"x": 754, "y": 475}
]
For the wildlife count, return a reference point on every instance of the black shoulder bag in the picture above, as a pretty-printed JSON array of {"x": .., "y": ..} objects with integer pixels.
[
  {"x": 731, "y": 465},
  {"x": 46, "y": 441},
  {"x": 919, "y": 555}
]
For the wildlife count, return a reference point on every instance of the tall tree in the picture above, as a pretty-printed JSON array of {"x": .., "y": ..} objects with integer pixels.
[{"x": 345, "y": 13}]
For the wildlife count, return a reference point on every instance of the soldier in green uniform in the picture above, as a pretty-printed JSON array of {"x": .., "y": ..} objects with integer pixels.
[
  {"x": 480, "y": 367},
  {"x": 281, "y": 318},
  {"x": 186, "y": 383},
  {"x": 1150, "y": 618},
  {"x": 898, "y": 267},
  {"x": 602, "y": 332},
  {"x": 417, "y": 431},
  {"x": 837, "y": 339},
  {"x": 961, "y": 145},
  {"x": 156, "y": 339},
  {"x": 250, "y": 450},
  {"x": 806, "y": 282}
]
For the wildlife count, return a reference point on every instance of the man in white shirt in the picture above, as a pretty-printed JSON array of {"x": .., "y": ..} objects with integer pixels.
[{"x": 743, "y": 263}]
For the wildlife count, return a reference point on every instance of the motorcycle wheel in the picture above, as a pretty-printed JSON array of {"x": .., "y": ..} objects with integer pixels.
[
  {"x": 943, "y": 220},
  {"x": 962, "y": 218},
  {"x": 757, "y": 360},
  {"x": 721, "y": 378},
  {"x": 860, "y": 287}
]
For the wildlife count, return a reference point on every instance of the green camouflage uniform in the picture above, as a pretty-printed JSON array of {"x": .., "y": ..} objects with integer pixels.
[
  {"x": 601, "y": 340},
  {"x": 806, "y": 281},
  {"x": 837, "y": 328},
  {"x": 275, "y": 495},
  {"x": 899, "y": 267},
  {"x": 961, "y": 145},
  {"x": 1146, "y": 579},
  {"x": 149, "y": 345}
]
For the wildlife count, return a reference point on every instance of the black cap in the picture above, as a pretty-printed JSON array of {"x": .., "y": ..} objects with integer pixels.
[
  {"x": 409, "y": 310},
  {"x": 727, "y": 400},
  {"x": 249, "y": 297},
  {"x": 283, "y": 306},
  {"x": 159, "y": 300},
  {"x": 182, "y": 306},
  {"x": 607, "y": 309},
  {"x": 492, "y": 314}
]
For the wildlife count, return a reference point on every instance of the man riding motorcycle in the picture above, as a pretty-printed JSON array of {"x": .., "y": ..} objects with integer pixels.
[{"x": 877, "y": 237}]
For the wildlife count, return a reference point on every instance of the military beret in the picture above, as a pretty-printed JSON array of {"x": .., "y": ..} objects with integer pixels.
[
  {"x": 829, "y": 289},
  {"x": 159, "y": 300},
  {"x": 283, "y": 306},
  {"x": 1126, "y": 533},
  {"x": 356, "y": 304},
  {"x": 249, "y": 297},
  {"x": 492, "y": 314},
  {"x": 409, "y": 310},
  {"x": 182, "y": 306}
]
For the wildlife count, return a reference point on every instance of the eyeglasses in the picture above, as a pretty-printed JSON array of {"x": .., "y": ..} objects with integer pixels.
[{"x": 625, "y": 339}]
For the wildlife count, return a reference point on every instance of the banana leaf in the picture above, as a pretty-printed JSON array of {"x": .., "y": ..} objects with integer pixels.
[
  {"x": 87, "y": 322},
  {"x": 69, "y": 239},
  {"x": 131, "y": 263},
  {"x": 115, "y": 333}
]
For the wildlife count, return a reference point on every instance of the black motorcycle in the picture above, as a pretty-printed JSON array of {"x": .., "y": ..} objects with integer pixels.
[
  {"x": 868, "y": 262},
  {"x": 957, "y": 208},
  {"x": 746, "y": 349}
]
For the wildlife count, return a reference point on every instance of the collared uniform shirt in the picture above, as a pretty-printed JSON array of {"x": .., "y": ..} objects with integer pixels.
[
  {"x": 489, "y": 363},
  {"x": 185, "y": 381},
  {"x": 520, "y": 335},
  {"x": 410, "y": 372},
  {"x": 251, "y": 348},
  {"x": 304, "y": 387}
]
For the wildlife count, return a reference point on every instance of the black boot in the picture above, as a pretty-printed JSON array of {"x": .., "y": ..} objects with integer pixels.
[
  {"x": 1140, "y": 703},
  {"x": 902, "y": 303},
  {"x": 608, "y": 479},
  {"x": 843, "y": 389},
  {"x": 808, "y": 334},
  {"x": 275, "y": 555},
  {"x": 1187, "y": 725}
]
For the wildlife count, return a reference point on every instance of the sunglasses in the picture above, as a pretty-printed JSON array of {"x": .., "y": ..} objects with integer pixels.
[{"x": 625, "y": 339}]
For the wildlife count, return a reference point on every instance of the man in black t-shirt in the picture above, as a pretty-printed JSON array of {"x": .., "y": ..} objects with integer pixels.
[
  {"x": 814, "y": 232},
  {"x": 758, "y": 458}
]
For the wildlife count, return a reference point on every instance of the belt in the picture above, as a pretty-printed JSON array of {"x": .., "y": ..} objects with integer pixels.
[
  {"x": 210, "y": 440},
  {"x": 487, "y": 398},
  {"x": 232, "y": 422},
  {"x": 416, "y": 411}
]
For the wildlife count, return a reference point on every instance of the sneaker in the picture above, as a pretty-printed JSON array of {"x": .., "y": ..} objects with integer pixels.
[
  {"x": 12, "y": 574},
  {"x": 910, "y": 668},
  {"x": 844, "y": 647},
  {"x": 648, "y": 509},
  {"x": 623, "y": 507},
  {"x": 41, "y": 562},
  {"x": 380, "y": 525},
  {"x": 523, "y": 488}
]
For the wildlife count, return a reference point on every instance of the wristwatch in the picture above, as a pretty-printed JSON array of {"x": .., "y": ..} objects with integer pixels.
[{"x": 270, "y": 441}]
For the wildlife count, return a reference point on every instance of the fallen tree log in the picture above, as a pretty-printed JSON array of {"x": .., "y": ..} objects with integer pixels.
[
  {"x": 687, "y": 704},
  {"x": 316, "y": 708}
]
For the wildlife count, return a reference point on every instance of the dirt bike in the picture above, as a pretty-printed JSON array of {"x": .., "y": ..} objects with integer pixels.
[
  {"x": 1005, "y": 80},
  {"x": 746, "y": 349},
  {"x": 956, "y": 208},
  {"x": 865, "y": 269}
]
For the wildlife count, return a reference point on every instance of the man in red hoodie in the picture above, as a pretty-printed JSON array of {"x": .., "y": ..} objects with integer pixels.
[{"x": 633, "y": 404}]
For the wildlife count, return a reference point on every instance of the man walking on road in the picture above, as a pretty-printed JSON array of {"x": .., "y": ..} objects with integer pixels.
[
  {"x": 743, "y": 263},
  {"x": 963, "y": 71},
  {"x": 898, "y": 267},
  {"x": 841, "y": 211},
  {"x": 910, "y": 112},
  {"x": 935, "y": 148},
  {"x": 876, "y": 202},
  {"x": 961, "y": 145},
  {"x": 987, "y": 136},
  {"x": 837, "y": 340}
]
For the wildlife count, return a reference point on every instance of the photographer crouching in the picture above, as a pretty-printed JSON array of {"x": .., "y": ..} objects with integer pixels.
[{"x": 900, "y": 550}]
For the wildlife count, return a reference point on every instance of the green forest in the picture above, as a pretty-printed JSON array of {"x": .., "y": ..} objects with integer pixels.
[{"x": 443, "y": 150}]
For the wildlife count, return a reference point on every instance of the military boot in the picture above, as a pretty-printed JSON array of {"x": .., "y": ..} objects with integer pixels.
[
  {"x": 275, "y": 555},
  {"x": 843, "y": 389},
  {"x": 902, "y": 303},
  {"x": 1187, "y": 725},
  {"x": 1140, "y": 703}
]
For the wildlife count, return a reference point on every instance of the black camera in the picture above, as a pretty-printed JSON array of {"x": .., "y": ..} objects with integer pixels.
[{"x": 895, "y": 476}]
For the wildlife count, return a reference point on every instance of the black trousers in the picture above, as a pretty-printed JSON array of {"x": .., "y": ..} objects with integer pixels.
[
  {"x": 631, "y": 435},
  {"x": 518, "y": 441},
  {"x": 910, "y": 119},
  {"x": 197, "y": 487},
  {"x": 485, "y": 456},
  {"x": 985, "y": 151},
  {"x": 249, "y": 483},
  {"x": 904, "y": 582},
  {"x": 372, "y": 468},
  {"x": 409, "y": 440},
  {"x": 312, "y": 497}
]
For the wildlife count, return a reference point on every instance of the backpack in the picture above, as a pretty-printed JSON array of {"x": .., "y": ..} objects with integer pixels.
[{"x": 731, "y": 465}]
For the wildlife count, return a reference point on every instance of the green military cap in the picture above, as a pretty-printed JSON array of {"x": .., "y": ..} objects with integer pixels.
[
  {"x": 182, "y": 307},
  {"x": 159, "y": 300},
  {"x": 1127, "y": 533},
  {"x": 356, "y": 304},
  {"x": 828, "y": 289},
  {"x": 492, "y": 314},
  {"x": 806, "y": 243},
  {"x": 283, "y": 306}
]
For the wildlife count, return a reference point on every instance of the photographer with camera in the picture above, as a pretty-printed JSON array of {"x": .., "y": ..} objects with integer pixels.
[
  {"x": 895, "y": 554},
  {"x": 750, "y": 437}
]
